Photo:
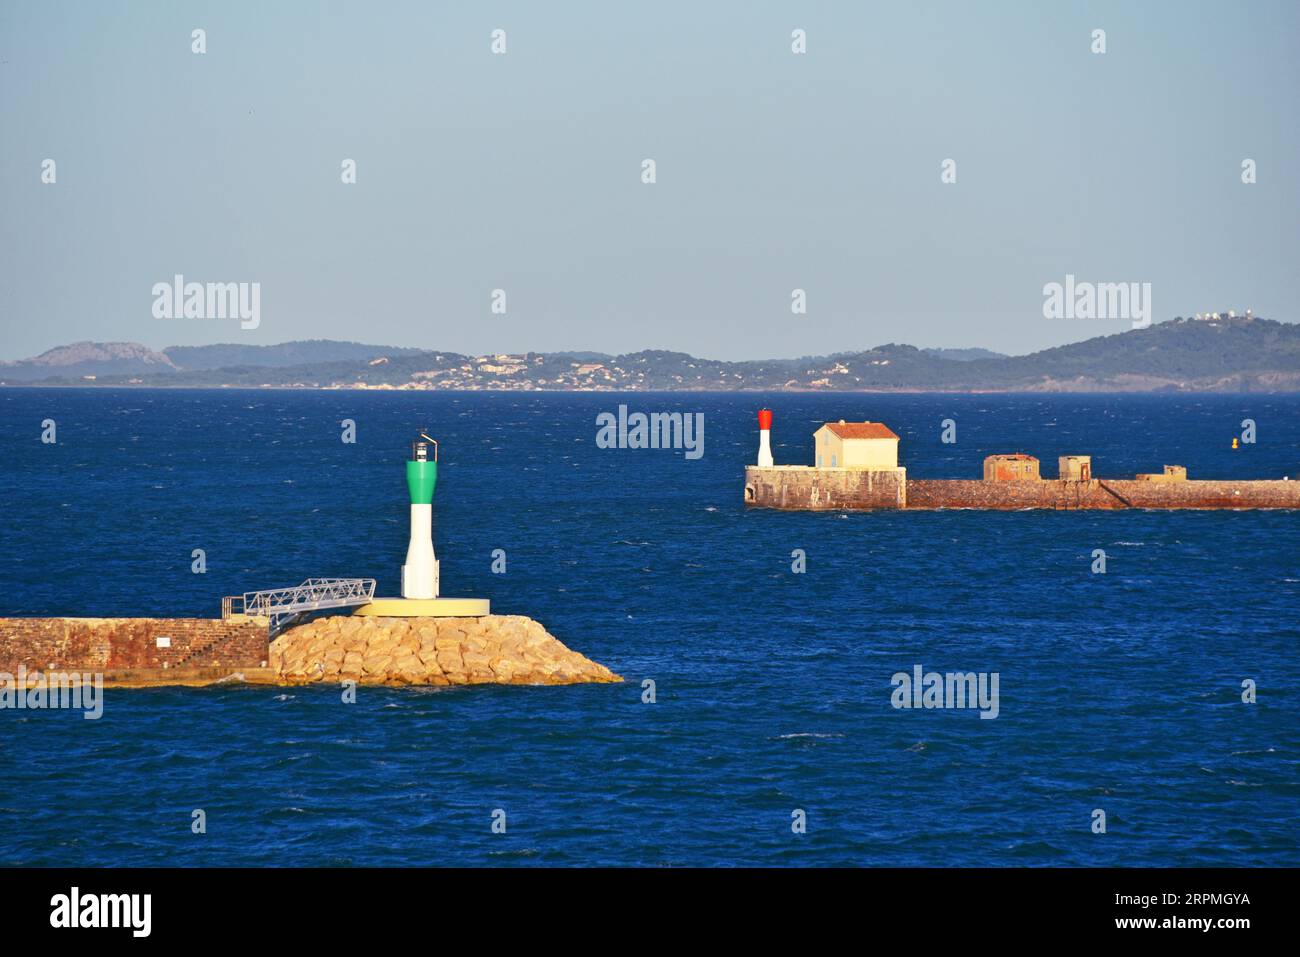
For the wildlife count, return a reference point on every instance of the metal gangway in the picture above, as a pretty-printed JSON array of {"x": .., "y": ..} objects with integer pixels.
[{"x": 283, "y": 605}]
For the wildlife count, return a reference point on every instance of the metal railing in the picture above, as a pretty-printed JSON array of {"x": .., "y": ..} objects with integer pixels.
[{"x": 283, "y": 604}]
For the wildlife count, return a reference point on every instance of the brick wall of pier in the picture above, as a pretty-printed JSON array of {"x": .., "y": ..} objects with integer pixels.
[{"x": 112, "y": 644}]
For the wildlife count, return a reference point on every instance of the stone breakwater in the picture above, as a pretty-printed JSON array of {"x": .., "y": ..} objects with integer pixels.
[
  {"x": 493, "y": 649},
  {"x": 149, "y": 652},
  {"x": 805, "y": 488},
  {"x": 1102, "y": 494}
]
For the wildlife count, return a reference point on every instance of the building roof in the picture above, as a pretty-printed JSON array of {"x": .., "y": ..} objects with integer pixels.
[
  {"x": 1016, "y": 456},
  {"x": 861, "y": 430}
]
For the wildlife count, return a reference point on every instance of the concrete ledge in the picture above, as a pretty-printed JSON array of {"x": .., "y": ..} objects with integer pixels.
[
  {"x": 189, "y": 677},
  {"x": 426, "y": 608}
]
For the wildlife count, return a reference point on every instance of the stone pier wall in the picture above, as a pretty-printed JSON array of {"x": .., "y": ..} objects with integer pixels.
[
  {"x": 807, "y": 488},
  {"x": 803, "y": 487},
  {"x": 1100, "y": 494},
  {"x": 1207, "y": 494},
  {"x": 117, "y": 644},
  {"x": 973, "y": 493}
]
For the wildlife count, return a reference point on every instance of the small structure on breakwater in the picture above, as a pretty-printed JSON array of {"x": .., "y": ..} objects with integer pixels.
[
  {"x": 856, "y": 445},
  {"x": 1011, "y": 482},
  {"x": 421, "y": 574},
  {"x": 1172, "y": 473},
  {"x": 1016, "y": 467}
]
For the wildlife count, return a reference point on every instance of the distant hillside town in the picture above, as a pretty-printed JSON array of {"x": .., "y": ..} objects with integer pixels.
[
  {"x": 1216, "y": 316},
  {"x": 1210, "y": 352}
]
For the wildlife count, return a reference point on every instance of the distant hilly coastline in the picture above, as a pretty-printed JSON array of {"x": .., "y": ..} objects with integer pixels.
[{"x": 1181, "y": 355}]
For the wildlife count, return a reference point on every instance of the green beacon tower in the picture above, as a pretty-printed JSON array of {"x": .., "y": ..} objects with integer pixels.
[{"x": 420, "y": 573}]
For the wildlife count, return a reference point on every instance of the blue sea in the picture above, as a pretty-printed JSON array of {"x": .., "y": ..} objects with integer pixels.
[{"x": 772, "y": 690}]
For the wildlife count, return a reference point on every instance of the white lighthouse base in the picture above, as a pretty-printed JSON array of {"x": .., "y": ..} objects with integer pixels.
[
  {"x": 426, "y": 608},
  {"x": 420, "y": 573}
]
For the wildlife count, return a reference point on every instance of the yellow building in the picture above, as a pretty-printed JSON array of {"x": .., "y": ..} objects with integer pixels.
[
  {"x": 856, "y": 445},
  {"x": 1172, "y": 473},
  {"x": 1075, "y": 468},
  {"x": 1014, "y": 467}
]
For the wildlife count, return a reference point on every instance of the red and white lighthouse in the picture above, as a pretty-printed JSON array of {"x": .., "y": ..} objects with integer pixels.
[{"x": 765, "y": 438}]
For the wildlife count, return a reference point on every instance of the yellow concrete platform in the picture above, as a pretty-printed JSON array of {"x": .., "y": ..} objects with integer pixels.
[{"x": 426, "y": 608}]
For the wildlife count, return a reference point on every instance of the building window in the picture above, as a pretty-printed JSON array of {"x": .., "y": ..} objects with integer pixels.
[{"x": 832, "y": 460}]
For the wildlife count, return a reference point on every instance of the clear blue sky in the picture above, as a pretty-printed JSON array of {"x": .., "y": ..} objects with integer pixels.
[{"x": 522, "y": 171}]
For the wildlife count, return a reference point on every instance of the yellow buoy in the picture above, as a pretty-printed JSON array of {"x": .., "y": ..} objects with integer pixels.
[{"x": 1234, "y": 443}]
